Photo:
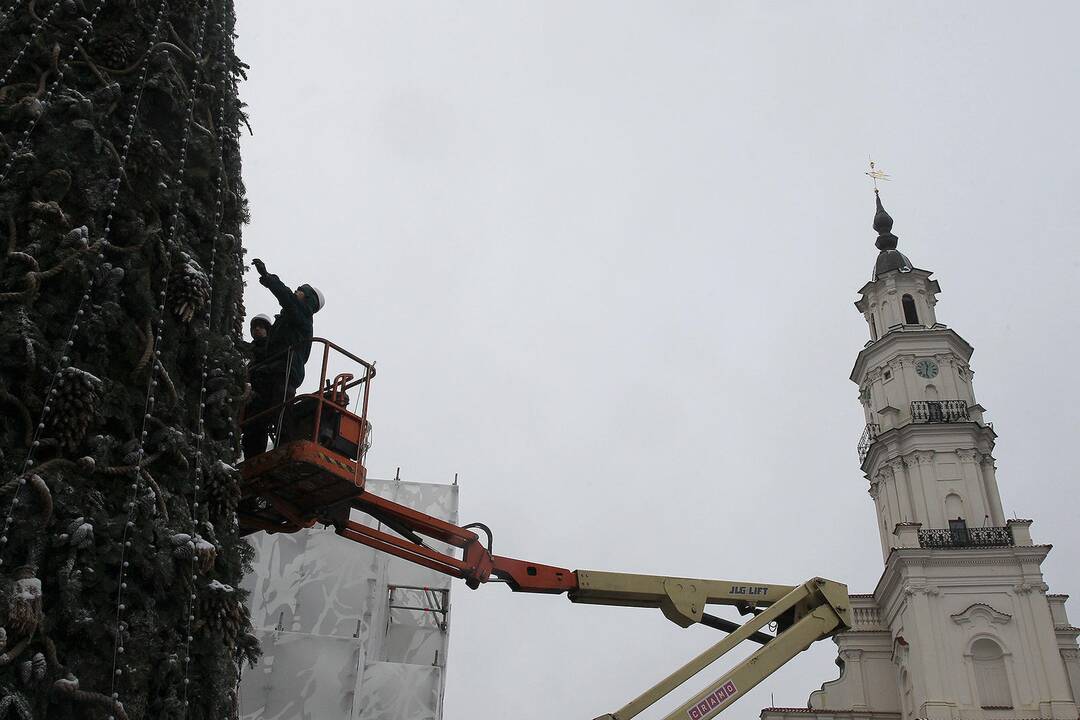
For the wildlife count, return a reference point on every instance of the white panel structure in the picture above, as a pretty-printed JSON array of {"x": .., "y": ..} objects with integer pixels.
[
  {"x": 349, "y": 633},
  {"x": 303, "y": 676},
  {"x": 393, "y": 691}
]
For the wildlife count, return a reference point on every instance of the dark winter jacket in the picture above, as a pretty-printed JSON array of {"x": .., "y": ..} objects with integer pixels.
[
  {"x": 259, "y": 370},
  {"x": 292, "y": 328},
  {"x": 257, "y": 349}
]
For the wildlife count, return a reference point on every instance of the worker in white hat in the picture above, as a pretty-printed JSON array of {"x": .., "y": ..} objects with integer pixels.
[{"x": 287, "y": 350}]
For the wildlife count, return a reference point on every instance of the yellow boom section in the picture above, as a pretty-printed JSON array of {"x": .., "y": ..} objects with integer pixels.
[{"x": 803, "y": 614}]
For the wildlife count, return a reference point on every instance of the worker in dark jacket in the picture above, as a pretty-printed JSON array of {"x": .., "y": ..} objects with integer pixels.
[
  {"x": 260, "y": 337},
  {"x": 262, "y": 381},
  {"x": 287, "y": 349},
  {"x": 292, "y": 328}
]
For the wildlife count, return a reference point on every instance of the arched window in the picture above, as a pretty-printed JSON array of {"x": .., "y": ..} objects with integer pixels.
[
  {"x": 931, "y": 393},
  {"x": 911, "y": 316},
  {"x": 991, "y": 679},
  {"x": 954, "y": 506}
]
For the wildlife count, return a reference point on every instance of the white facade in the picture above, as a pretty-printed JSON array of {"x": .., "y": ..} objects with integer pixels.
[
  {"x": 960, "y": 625},
  {"x": 349, "y": 633}
]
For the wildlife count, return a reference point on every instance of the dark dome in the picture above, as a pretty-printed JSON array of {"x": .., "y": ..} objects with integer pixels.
[{"x": 891, "y": 260}]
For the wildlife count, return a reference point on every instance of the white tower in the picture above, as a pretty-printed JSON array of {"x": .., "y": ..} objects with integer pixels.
[
  {"x": 925, "y": 448},
  {"x": 960, "y": 625}
]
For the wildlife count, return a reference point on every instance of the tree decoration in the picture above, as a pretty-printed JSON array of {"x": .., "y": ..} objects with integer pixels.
[{"x": 121, "y": 378}]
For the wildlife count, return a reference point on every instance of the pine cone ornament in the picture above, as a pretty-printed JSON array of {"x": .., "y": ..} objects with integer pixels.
[
  {"x": 18, "y": 703},
  {"x": 197, "y": 549},
  {"x": 115, "y": 51},
  {"x": 189, "y": 288},
  {"x": 82, "y": 536},
  {"x": 221, "y": 613},
  {"x": 39, "y": 666},
  {"x": 76, "y": 239},
  {"x": 222, "y": 488},
  {"x": 223, "y": 390},
  {"x": 24, "y": 603},
  {"x": 185, "y": 7},
  {"x": 47, "y": 219},
  {"x": 55, "y": 185},
  {"x": 183, "y": 547},
  {"x": 73, "y": 403},
  {"x": 32, "y": 670}
]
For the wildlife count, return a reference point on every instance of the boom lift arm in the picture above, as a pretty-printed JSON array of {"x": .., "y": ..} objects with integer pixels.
[
  {"x": 802, "y": 614},
  {"x": 315, "y": 473}
]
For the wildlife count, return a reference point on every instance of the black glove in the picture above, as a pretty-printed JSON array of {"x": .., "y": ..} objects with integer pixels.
[{"x": 260, "y": 266}]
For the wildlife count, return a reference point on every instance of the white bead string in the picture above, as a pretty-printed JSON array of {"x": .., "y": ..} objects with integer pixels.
[
  {"x": 200, "y": 428},
  {"x": 238, "y": 269},
  {"x": 7, "y": 13},
  {"x": 80, "y": 310},
  {"x": 226, "y": 133},
  {"x": 54, "y": 84},
  {"x": 30, "y": 41},
  {"x": 155, "y": 363}
]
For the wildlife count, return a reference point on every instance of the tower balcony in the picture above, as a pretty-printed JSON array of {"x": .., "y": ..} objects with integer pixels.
[
  {"x": 965, "y": 537},
  {"x": 869, "y": 435},
  {"x": 939, "y": 411}
]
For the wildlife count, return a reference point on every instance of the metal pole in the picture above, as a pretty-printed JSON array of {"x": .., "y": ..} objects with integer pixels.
[
  {"x": 322, "y": 392},
  {"x": 363, "y": 429},
  {"x": 284, "y": 399}
]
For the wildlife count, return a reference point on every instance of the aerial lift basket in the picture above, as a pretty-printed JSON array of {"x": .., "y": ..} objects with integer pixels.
[{"x": 316, "y": 467}]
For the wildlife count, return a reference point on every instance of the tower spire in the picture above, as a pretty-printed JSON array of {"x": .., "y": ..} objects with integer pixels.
[
  {"x": 883, "y": 223},
  {"x": 889, "y": 258}
]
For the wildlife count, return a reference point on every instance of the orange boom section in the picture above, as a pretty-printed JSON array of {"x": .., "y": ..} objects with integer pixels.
[{"x": 315, "y": 473}]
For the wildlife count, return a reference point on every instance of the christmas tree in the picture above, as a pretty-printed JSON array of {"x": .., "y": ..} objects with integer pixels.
[{"x": 121, "y": 365}]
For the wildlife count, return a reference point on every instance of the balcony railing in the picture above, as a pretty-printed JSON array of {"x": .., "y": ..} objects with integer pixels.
[
  {"x": 966, "y": 537},
  {"x": 869, "y": 435},
  {"x": 939, "y": 411}
]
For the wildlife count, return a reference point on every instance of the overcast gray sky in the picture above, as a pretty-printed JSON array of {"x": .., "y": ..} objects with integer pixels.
[{"x": 605, "y": 255}]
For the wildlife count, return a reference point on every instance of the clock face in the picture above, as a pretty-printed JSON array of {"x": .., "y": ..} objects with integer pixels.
[{"x": 926, "y": 368}]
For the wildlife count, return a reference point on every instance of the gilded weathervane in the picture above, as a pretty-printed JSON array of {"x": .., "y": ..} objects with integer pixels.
[{"x": 875, "y": 175}]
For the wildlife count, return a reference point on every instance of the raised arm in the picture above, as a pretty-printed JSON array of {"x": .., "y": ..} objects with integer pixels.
[{"x": 285, "y": 296}]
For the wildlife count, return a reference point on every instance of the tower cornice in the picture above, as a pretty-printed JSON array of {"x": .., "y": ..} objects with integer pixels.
[
  {"x": 910, "y": 341},
  {"x": 899, "y": 443},
  {"x": 888, "y": 280},
  {"x": 906, "y": 565}
]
